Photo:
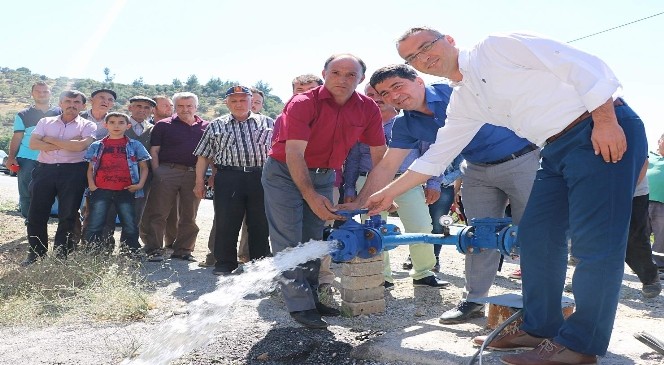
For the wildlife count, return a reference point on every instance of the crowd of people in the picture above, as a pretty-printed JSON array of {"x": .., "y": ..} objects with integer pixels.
[{"x": 524, "y": 121}]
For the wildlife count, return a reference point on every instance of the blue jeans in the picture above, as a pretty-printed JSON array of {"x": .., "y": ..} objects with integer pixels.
[
  {"x": 438, "y": 209},
  {"x": 23, "y": 178},
  {"x": 576, "y": 189},
  {"x": 99, "y": 203}
]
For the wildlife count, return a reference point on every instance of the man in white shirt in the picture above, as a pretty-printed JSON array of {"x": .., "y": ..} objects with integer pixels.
[{"x": 594, "y": 147}]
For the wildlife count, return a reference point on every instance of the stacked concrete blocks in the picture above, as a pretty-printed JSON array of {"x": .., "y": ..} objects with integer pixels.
[{"x": 362, "y": 290}]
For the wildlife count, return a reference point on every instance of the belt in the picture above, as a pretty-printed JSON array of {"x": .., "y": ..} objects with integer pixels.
[
  {"x": 180, "y": 167},
  {"x": 517, "y": 154},
  {"x": 575, "y": 122},
  {"x": 61, "y": 164},
  {"x": 240, "y": 168},
  {"x": 319, "y": 170}
]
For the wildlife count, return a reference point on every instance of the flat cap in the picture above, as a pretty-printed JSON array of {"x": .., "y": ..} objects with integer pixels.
[
  {"x": 115, "y": 96},
  {"x": 143, "y": 98}
]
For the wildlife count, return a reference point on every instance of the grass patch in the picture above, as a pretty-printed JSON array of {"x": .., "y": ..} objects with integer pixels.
[
  {"x": 82, "y": 287},
  {"x": 8, "y": 206}
]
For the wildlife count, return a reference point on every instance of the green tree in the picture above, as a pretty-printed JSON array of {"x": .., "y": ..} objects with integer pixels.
[
  {"x": 192, "y": 83},
  {"x": 213, "y": 85},
  {"x": 263, "y": 86},
  {"x": 107, "y": 75}
]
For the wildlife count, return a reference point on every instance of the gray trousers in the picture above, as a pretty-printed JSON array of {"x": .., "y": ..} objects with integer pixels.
[
  {"x": 291, "y": 222},
  {"x": 487, "y": 189}
]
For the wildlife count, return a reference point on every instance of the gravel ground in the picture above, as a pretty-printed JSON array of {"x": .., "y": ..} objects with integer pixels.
[{"x": 258, "y": 330}]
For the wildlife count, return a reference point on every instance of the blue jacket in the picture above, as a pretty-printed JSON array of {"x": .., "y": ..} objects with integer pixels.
[{"x": 136, "y": 153}]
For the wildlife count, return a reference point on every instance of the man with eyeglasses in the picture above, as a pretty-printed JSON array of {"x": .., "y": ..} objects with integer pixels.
[
  {"x": 593, "y": 149},
  {"x": 499, "y": 168}
]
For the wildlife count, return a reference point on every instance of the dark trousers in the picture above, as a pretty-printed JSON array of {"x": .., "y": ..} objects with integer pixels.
[
  {"x": 237, "y": 193},
  {"x": 639, "y": 251},
  {"x": 66, "y": 182},
  {"x": 100, "y": 202}
]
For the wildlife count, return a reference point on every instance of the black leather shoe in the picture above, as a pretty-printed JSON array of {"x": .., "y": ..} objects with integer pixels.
[
  {"x": 431, "y": 281},
  {"x": 326, "y": 311},
  {"x": 408, "y": 264},
  {"x": 309, "y": 318},
  {"x": 185, "y": 257},
  {"x": 462, "y": 313},
  {"x": 31, "y": 259},
  {"x": 651, "y": 290}
]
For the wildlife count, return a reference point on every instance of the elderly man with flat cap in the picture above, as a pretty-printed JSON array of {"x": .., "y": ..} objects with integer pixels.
[
  {"x": 101, "y": 102},
  {"x": 140, "y": 109}
]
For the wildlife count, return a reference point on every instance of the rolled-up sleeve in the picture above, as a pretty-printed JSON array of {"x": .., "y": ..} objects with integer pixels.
[{"x": 450, "y": 141}]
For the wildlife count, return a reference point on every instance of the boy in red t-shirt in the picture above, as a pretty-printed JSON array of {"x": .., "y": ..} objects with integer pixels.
[{"x": 117, "y": 172}]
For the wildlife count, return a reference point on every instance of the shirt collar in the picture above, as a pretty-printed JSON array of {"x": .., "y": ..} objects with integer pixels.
[
  {"x": 197, "y": 119},
  {"x": 324, "y": 93},
  {"x": 91, "y": 117},
  {"x": 108, "y": 137},
  {"x": 464, "y": 64},
  {"x": 252, "y": 115}
]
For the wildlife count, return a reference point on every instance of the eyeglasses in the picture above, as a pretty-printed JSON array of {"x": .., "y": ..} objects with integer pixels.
[{"x": 425, "y": 48}]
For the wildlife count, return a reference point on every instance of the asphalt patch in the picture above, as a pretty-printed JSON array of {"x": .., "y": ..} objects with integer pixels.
[{"x": 292, "y": 345}]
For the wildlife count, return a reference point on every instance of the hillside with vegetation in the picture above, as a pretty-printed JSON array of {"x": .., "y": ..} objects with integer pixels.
[{"x": 15, "y": 86}]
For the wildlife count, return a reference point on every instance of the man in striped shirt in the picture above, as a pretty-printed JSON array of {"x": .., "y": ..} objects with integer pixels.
[{"x": 237, "y": 144}]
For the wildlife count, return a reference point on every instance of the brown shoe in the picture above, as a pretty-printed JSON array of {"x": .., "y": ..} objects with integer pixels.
[
  {"x": 514, "y": 339},
  {"x": 549, "y": 353},
  {"x": 209, "y": 261}
]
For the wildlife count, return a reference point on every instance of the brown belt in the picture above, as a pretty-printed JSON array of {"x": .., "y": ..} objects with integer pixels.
[{"x": 575, "y": 122}]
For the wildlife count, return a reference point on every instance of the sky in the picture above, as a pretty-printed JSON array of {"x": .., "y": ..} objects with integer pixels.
[{"x": 274, "y": 41}]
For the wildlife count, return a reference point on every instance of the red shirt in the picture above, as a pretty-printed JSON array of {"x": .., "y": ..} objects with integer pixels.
[
  {"x": 113, "y": 171},
  {"x": 330, "y": 129}
]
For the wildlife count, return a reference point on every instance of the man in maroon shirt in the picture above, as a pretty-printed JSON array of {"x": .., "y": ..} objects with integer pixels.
[
  {"x": 172, "y": 143},
  {"x": 319, "y": 128}
]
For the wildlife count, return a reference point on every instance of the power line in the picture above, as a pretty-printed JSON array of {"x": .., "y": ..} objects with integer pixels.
[{"x": 620, "y": 26}]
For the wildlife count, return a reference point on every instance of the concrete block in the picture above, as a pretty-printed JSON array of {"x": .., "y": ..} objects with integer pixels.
[
  {"x": 362, "y": 295},
  {"x": 357, "y": 260},
  {"x": 355, "y": 309},
  {"x": 362, "y": 282},
  {"x": 362, "y": 269}
]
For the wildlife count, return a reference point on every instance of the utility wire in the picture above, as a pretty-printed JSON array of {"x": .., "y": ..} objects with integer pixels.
[{"x": 620, "y": 26}]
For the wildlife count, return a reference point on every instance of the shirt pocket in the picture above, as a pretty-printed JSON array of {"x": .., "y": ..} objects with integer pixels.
[
  {"x": 262, "y": 137},
  {"x": 352, "y": 133}
]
